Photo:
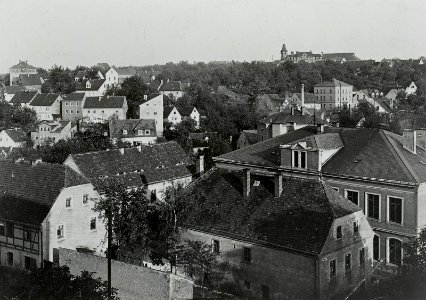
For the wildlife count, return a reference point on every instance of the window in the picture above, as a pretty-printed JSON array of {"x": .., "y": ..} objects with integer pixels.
[
  {"x": 299, "y": 159},
  {"x": 71, "y": 111},
  {"x": 356, "y": 227},
  {"x": 352, "y": 196},
  {"x": 362, "y": 256},
  {"x": 339, "y": 232},
  {"x": 85, "y": 199},
  {"x": 93, "y": 224},
  {"x": 265, "y": 292},
  {"x": 68, "y": 202},
  {"x": 30, "y": 263},
  {"x": 216, "y": 246},
  {"x": 348, "y": 262},
  {"x": 153, "y": 195},
  {"x": 27, "y": 234},
  {"x": 247, "y": 254},
  {"x": 124, "y": 131},
  {"x": 147, "y": 131},
  {"x": 10, "y": 229},
  {"x": 373, "y": 206},
  {"x": 2, "y": 229},
  {"x": 395, "y": 210},
  {"x": 10, "y": 258},
  {"x": 332, "y": 268},
  {"x": 60, "y": 232},
  {"x": 376, "y": 247},
  {"x": 140, "y": 132},
  {"x": 395, "y": 251},
  {"x": 66, "y": 111}
]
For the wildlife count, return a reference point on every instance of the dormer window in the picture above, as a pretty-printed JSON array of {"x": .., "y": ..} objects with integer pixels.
[
  {"x": 299, "y": 159},
  {"x": 88, "y": 85},
  {"x": 124, "y": 131}
]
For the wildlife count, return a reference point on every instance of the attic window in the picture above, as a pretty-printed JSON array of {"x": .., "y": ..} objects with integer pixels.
[
  {"x": 124, "y": 131},
  {"x": 256, "y": 183}
]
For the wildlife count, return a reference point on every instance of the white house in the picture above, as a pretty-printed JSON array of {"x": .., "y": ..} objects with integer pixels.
[
  {"x": 190, "y": 113},
  {"x": 172, "y": 115},
  {"x": 411, "y": 89},
  {"x": 153, "y": 108},
  {"x": 134, "y": 131},
  {"x": 53, "y": 131},
  {"x": 115, "y": 76},
  {"x": 49, "y": 207},
  {"x": 173, "y": 89},
  {"x": 14, "y": 138},
  {"x": 47, "y": 106},
  {"x": 102, "y": 109},
  {"x": 93, "y": 88}
]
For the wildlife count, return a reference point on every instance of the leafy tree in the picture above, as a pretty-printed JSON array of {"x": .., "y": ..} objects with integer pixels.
[
  {"x": 16, "y": 116},
  {"x": 6, "y": 81},
  {"x": 180, "y": 132},
  {"x": 59, "y": 81}
]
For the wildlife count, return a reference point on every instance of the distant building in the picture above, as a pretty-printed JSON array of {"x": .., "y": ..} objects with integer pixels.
[
  {"x": 334, "y": 94},
  {"x": 340, "y": 57},
  {"x": 30, "y": 81},
  {"x": 22, "y": 68},
  {"x": 116, "y": 76},
  {"x": 92, "y": 87},
  {"x": 269, "y": 104},
  {"x": 47, "y": 106},
  {"x": 11, "y": 90},
  {"x": 72, "y": 106},
  {"x": 411, "y": 89},
  {"x": 172, "y": 89},
  {"x": 190, "y": 113},
  {"x": 23, "y": 98},
  {"x": 44, "y": 207},
  {"x": 391, "y": 95},
  {"x": 52, "y": 132},
  {"x": 12, "y": 138},
  {"x": 247, "y": 138},
  {"x": 309, "y": 100},
  {"x": 134, "y": 131},
  {"x": 153, "y": 108},
  {"x": 103, "y": 109},
  {"x": 155, "y": 167},
  {"x": 172, "y": 115}
]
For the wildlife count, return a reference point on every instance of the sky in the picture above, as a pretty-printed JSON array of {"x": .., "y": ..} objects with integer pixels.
[{"x": 140, "y": 32}]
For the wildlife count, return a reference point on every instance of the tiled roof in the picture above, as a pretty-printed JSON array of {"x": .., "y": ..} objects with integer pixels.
[
  {"x": 340, "y": 56},
  {"x": 372, "y": 153},
  {"x": 300, "y": 219},
  {"x": 22, "y": 64},
  {"x": 27, "y": 191},
  {"x": 158, "y": 162},
  {"x": 17, "y": 135},
  {"x": 332, "y": 83},
  {"x": 126, "y": 71},
  {"x": 171, "y": 86},
  {"x": 153, "y": 95},
  {"x": 95, "y": 84},
  {"x": 132, "y": 126},
  {"x": 23, "y": 97},
  {"x": 44, "y": 99},
  {"x": 13, "y": 89},
  {"x": 105, "y": 102},
  {"x": 74, "y": 97},
  {"x": 286, "y": 117},
  {"x": 29, "y": 79},
  {"x": 167, "y": 110},
  {"x": 56, "y": 126},
  {"x": 186, "y": 111}
]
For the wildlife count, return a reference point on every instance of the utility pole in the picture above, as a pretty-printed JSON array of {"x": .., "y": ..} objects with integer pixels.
[{"x": 109, "y": 250}]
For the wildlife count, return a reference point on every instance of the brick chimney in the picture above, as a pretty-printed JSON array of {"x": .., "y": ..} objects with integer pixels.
[
  {"x": 409, "y": 140},
  {"x": 246, "y": 182},
  {"x": 278, "y": 185},
  {"x": 199, "y": 165}
]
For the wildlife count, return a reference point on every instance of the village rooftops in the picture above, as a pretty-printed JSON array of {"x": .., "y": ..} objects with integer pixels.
[
  {"x": 105, "y": 102},
  {"x": 74, "y": 97},
  {"x": 136, "y": 166},
  {"x": 94, "y": 85},
  {"x": 27, "y": 192},
  {"x": 299, "y": 220},
  {"x": 23, "y": 97},
  {"x": 367, "y": 154},
  {"x": 16, "y": 134},
  {"x": 132, "y": 126},
  {"x": 172, "y": 86},
  {"x": 333, "y": 83},
  {"x": 44, "y": 99}
]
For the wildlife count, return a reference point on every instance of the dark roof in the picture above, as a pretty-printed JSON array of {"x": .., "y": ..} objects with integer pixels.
[
  {"x": 286, "y": 117},
  {"x": 167, "y": 110},
  {"x": 27, "y": 191},
  {"x": 44, "y": 99},
  {"x": 103, "y": 66},
  {"x": 333, "y": 83},
  {"x": 371, "y": 153},
  {"x": 74, "y": 97},
  {"x": 202, "y": 135},
  {"x": 95, "y": 84},
  {"x": 303, "y": 53},
  {"x": 340, "y": 56},
  {"x": 13, "y": 89},
  {"x": 171, "y": 86},
  {"x": 29, "y": 79},
  {"x": 17, "y": 134},
  {"x": 158, "y": 162},
  {"x": 309, "y": 97},
  {"x": 300, "y": 219},
  {"x": 23, "y": 97},
  {"x": 105, "y": 102},
  {"x": 126, "y": 71},
  {"x": 22, "y": 64},
  {"x": 186, "y": 111},
  {"x": 132, "y": 126},
  {"x": 153, "y": 95},
  {"x": 252, "y": 136}
]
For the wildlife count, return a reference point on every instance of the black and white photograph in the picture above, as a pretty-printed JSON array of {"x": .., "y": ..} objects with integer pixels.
[{"x": 222, "y": 149}]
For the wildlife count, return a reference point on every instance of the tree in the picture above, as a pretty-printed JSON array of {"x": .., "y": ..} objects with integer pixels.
[
  {"x": 59, "y": 81},
  {"x": 16, "y": 116}
]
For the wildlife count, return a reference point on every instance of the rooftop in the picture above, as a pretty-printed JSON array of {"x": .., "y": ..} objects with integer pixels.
[
  {"x": 95, "y": 84},
  {"x": 45, "y": 99},
  {"x": 74, "y": 97},
  {"x": 132, "y": 126},
  {"x": 333, "y": 83},
  {"x": 16, "y": 134},
  {"x": 29, "y": 79},
  {"x": 105, "y": 102},
  {"x": 22, "y": 64},
  {"x": 171, "y": 86},
  {"x": 23, "y": 97}
]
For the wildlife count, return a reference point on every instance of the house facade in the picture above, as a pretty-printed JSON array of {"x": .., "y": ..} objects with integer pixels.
[
  {"x": 334, "y": 94},
  {"x": 93, "y": 87},
  {"x": 47, "y": 106},
  {"x": 172, "y": 89},
  {"x": 103, "y": 109},
  {"x": 52, "y": 132},
  {"x": 42, "y": 217},
  {"x": 22, "y": 68},
  {"x": 190, "y": 113},
  {"x": 134, "y": 131},
  {"x": 116, "y": 76},
  {"x": 153, "y": 108},
  {"x": 172, "y": 115},
  {"x": 72, "y": 106},
  {"x": 411, "y": 89},
  {"x": 14, "y": 138}
]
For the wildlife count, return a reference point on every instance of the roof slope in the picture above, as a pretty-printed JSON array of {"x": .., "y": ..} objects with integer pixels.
[
  {"x": 44, "y": 99},
  {"x": 95, "y": 84},
  {"x": 105, "y": 102},
  {"x": 17, "y": 135},
  {"x": 29, "y": 79},
  {"x": 74, "y": 97},
  {"x": 27, "y": 192},
  {"x": 186, "y": 111},
  {"x": 22, "y": 64},
  {"x": 286, "y": 117},
  {"x": 333, "y": 83},
  {"x": 23, "y": 97},
  {"x": 158, "y": 162},
  {"x": 300, "y": 219},
  {"x": 126, "y": 71},
  {"x": 132, "y": 126},
  {"x": 171, "y": 86}
]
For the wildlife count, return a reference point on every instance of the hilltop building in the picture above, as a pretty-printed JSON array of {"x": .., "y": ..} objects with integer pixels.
[{"x": 22, "y": 68}]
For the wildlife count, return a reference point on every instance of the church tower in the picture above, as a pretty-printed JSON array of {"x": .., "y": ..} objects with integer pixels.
[{"x": 283, "y": 52}]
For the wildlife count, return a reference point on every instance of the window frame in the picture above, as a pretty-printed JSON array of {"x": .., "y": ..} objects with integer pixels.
[
  {"x": 90, "y": 223},
  {"x": 215, "y": 246},
  {"x": 60, "y": 238},
  {"x": 2, "y": 229},
  {"x": 66, "y": 199},
  {"x": 10, "y": 229},
  {"x": 388, "y": 210},
  {"x": 378, "y": 247},
  {"x": 388, "y": 251},
  {"x": 361, "y": 250},
  {"x": 87, "y": 201},
  {"x": 350, "y": 262},
  {"x": 355, "y": 225},
  {"x": 9, "y": 255},
  {"x": 367, "y": 209},
  {"x": 355, "y": 191},
  {"x": 332, "y": 274},
  {"x": 337, "y": 232},
  {"x": 299, "y": 159}
]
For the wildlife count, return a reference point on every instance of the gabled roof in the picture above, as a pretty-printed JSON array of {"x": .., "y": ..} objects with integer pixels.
[
  {"x": 74, "y": 96},
  {"x": 17, "y": 134},
  {"x": 167, "y": 111},
  {"x": 27, "y": 192},
  {"x": 23, "y": 97},
  {"x": 126, "y": 71},
  {"x": 29, "y": 79},
  {"x": 105, "y": 102},
  {"x": 333, "y": 83},
  {"x": 368, "y": 153},
  {"x": 132, "y": 126},
  {"x": 13, "y": 89},
  {"x": 45, "y": 99},
  {"x": 186, "y": 111},
  {"x": 154, "y": 163},
  {"x": 171, "y": 86},
  {"x": 299, "y": 220},
  {"x": 22, "y": 64},
  {"x": 95, "y": 84}
]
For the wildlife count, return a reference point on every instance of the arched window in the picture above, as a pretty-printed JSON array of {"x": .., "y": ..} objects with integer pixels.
[
  {"x": 376, "y": 247},
  {"x": 395, "y": 251}
]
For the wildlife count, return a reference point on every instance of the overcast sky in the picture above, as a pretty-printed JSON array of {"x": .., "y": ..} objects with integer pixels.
[{"x": 140, "y": 32}]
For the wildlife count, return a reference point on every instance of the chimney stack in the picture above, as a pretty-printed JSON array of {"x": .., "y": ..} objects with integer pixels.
[
  {"x": 409, "y": 140},
  {"x": 145, "y": 97},
  {"x": 292, "y": 110},
  {"x": 278, "y": 185},
  {"x": 199, "y": 165},
  {"x": 246, "y": 182}
]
